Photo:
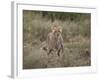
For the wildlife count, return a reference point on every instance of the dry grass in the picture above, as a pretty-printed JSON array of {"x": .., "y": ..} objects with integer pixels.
[{"x": 76, "y": 35}]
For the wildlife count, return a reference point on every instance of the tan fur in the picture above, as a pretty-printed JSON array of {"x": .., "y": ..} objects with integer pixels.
[{"x": 54, "y": 41}]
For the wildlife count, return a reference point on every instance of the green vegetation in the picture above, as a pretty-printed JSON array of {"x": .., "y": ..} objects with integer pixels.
[{"x": 75, "y": 31}]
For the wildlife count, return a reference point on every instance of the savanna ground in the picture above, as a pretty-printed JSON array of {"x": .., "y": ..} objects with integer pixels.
[{"x": 75, "y": 32}]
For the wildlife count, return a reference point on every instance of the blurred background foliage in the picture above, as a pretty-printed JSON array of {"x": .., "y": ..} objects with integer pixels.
[
  {"x": 76, "y": 32},
  {"x": 37, "y": 24}
]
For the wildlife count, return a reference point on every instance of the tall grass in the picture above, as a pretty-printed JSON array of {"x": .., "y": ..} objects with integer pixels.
[{"x": 75, "y": 31}]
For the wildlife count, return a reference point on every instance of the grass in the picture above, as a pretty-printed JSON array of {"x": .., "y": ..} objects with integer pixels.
[{"x": 76, "y": 35}]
